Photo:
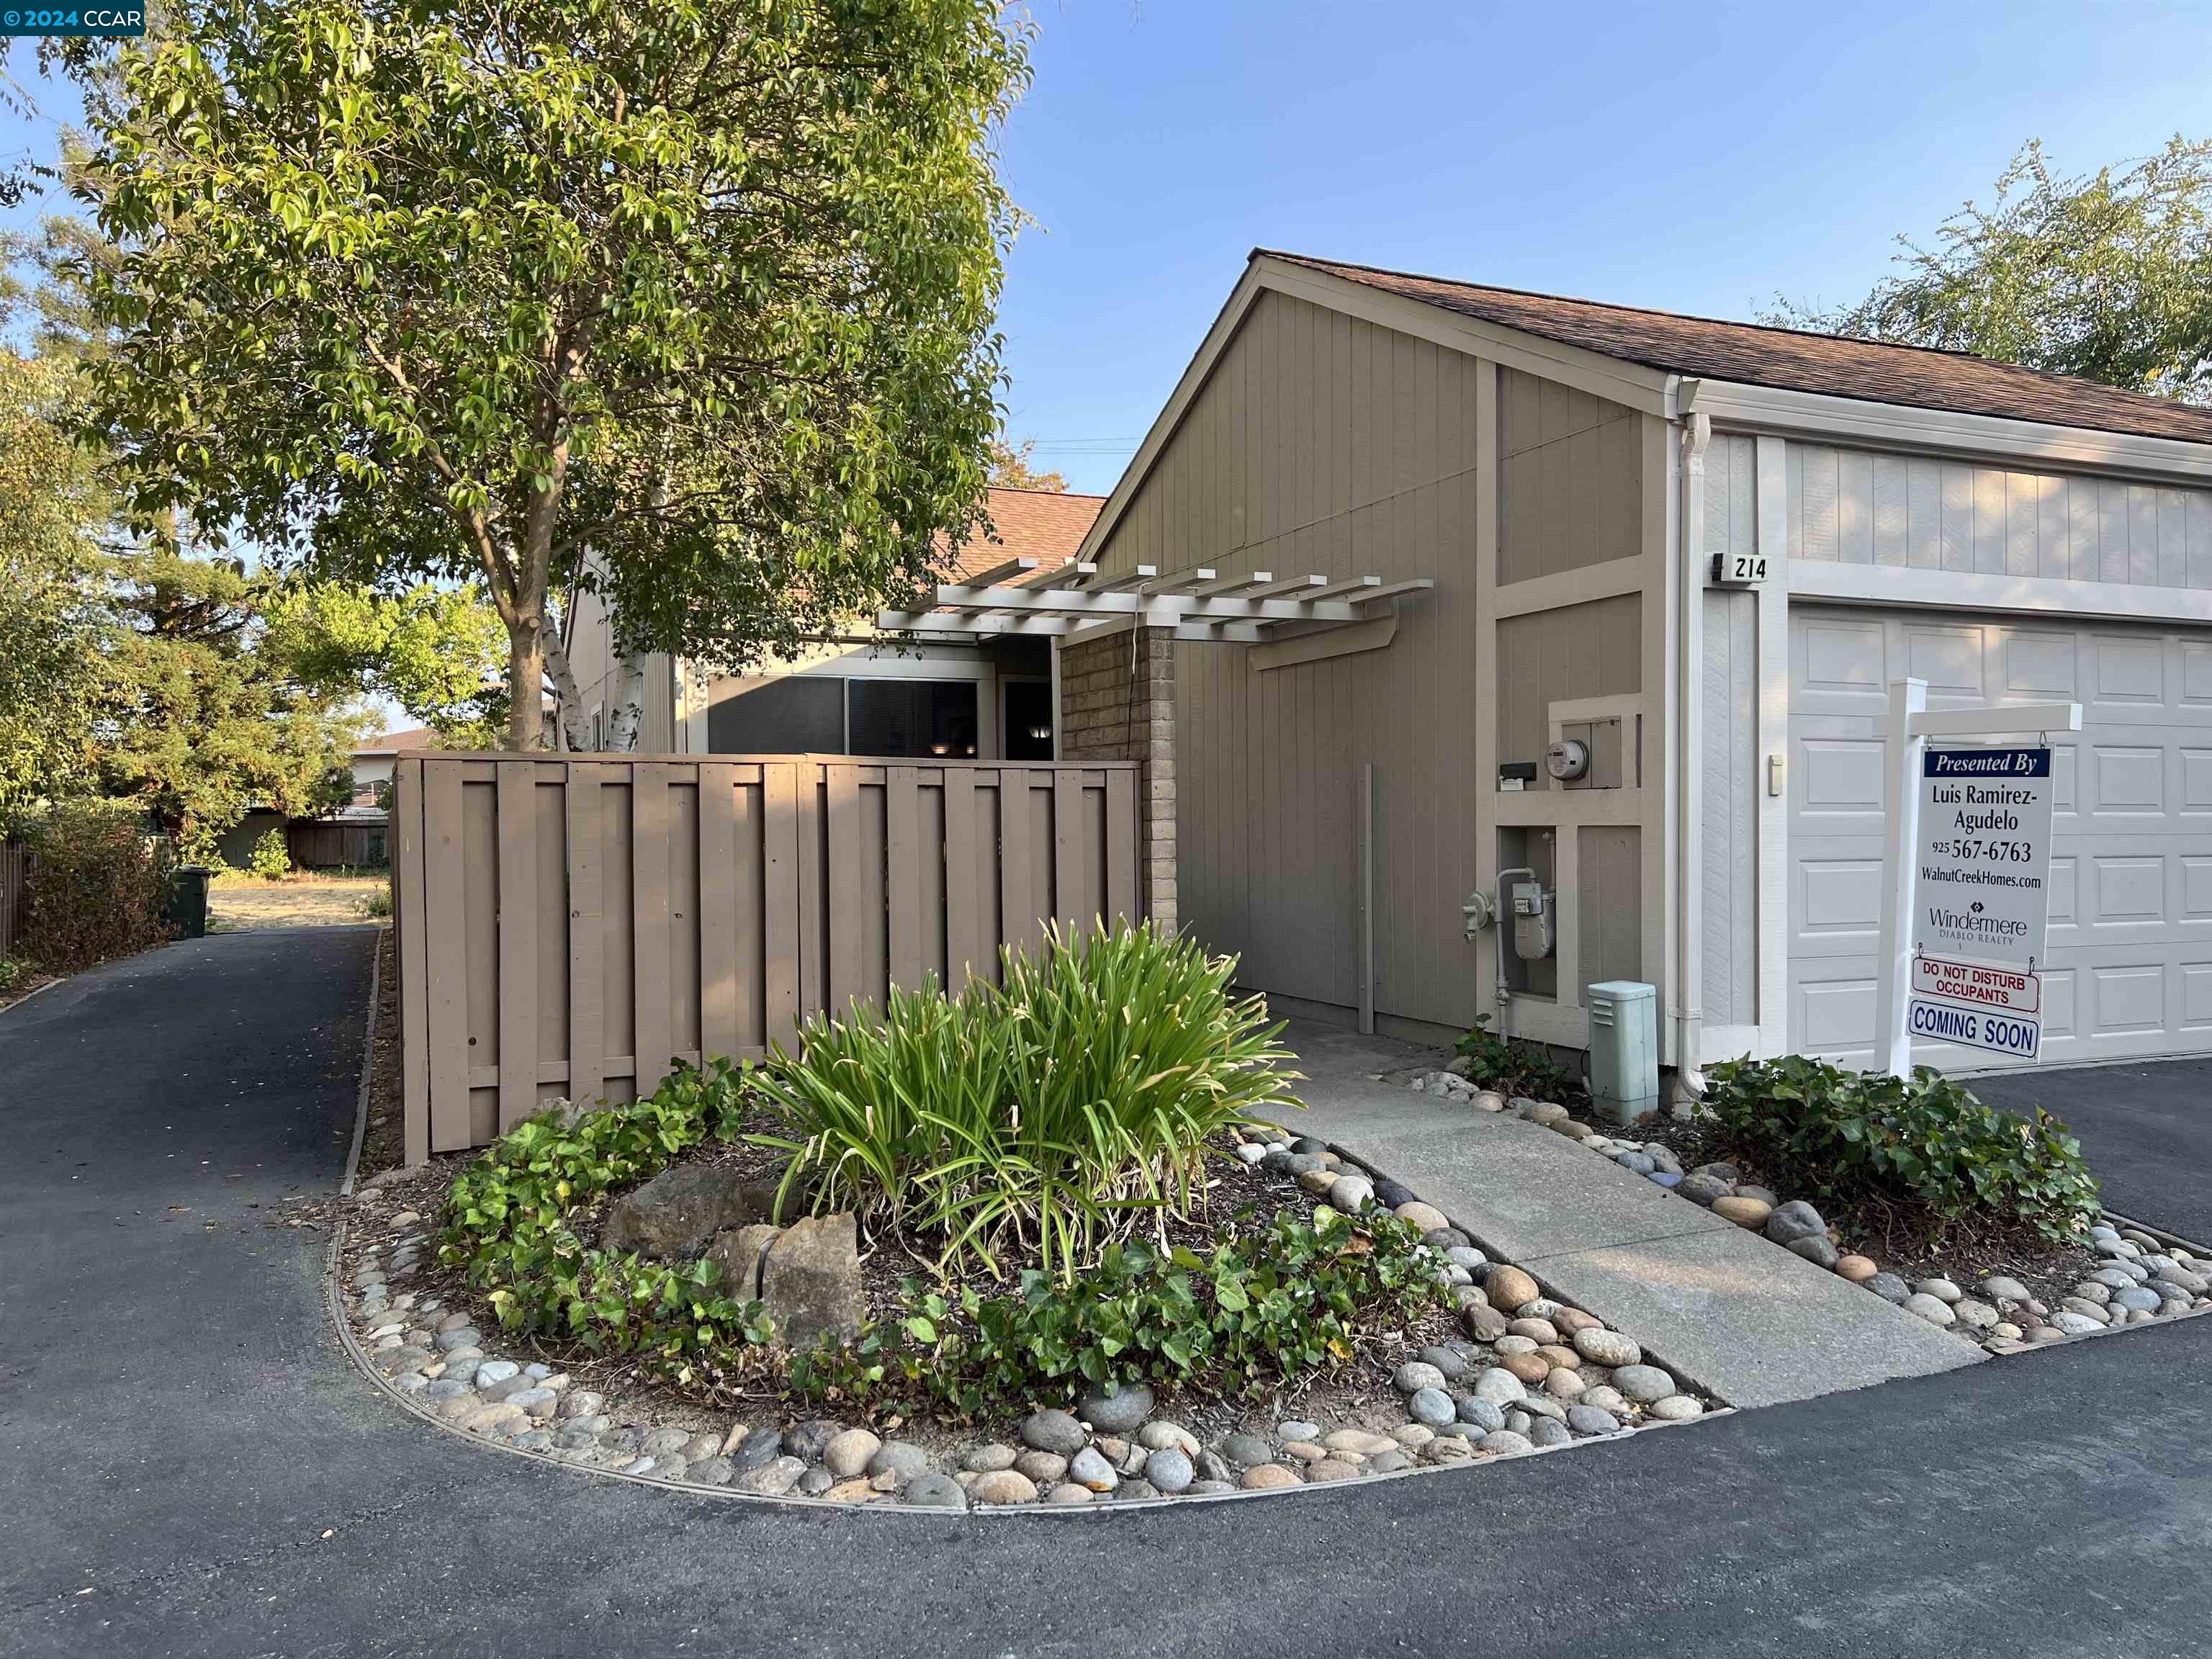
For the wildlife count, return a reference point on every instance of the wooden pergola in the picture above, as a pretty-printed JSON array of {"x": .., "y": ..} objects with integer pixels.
[{"x": 1196, "y": 604}]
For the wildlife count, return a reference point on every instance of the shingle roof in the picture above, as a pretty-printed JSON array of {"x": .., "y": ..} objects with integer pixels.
[
  {"x": 395, "y": 743},
  {"x": 1044, "y": 525},
  {"x": 1870, "y": 370}
]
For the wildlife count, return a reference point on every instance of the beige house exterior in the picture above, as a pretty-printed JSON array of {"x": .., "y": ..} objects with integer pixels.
[
  {"x": 1566, "y": 473},
  {"x": 857, "y": 693}
]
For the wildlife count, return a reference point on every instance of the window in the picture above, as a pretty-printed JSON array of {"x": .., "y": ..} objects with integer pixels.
[
  {"x": 920, "y": 718},
  {"x": 777, "y": 714}
]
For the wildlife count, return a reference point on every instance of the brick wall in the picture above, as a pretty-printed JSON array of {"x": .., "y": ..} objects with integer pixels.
[{"x": 1102, "y": 717}]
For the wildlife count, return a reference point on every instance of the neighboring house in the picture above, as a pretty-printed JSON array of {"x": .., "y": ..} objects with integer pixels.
[
  {"x": 1567, "y": 472},
  {"x": 856, "y": 694},
  {"x": 354, "y": 834},
  {"x": 374, "y": 764}
]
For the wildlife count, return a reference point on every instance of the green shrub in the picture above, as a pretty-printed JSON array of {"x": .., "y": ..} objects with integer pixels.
[
  {"x": 100, "y": 889},
  {"x": 507, "y": 1228},
  {"x": 11, "y": 974},
  {"x": 1053, "y": 1111},
  {"x": 1298, "y": 1298},
  {"x": 376, "y": 905},
  {"x": 1925, "y": 1143},
  {"x": 272, "y": 856},
  {"x": 1514, "y": 1066}
]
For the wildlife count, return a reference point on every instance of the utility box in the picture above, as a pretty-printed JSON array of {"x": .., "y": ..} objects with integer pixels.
[{"x": 1623, "y": 1051}]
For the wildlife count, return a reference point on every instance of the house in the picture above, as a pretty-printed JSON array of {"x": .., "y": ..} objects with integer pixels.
[
  {"x": 374, "y": 764},
  {"x": 1577, "y": 480},
  {"x": 857, "y": 694}
]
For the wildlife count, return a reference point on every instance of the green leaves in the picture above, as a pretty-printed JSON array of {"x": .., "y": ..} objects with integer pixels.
[
  {"x": 1057, "y": 1110},
  {"x": 1298, "y": 1297},
  {"x": 1926, "y": 1143},
  {"x": 1514, "y": 1066},
  {"x": 2103, "y": 276},
  {"x": 707, "y": 289},
  {"x": 507, "y": 1226}
]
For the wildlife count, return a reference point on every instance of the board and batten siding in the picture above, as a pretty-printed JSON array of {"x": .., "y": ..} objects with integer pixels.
[
  {"x": 1730, "y": 783},
  {"x": 1321, "y": 442},
  {"x": 1569, "y": 479},
  {"x": 1858, "y": 506}
]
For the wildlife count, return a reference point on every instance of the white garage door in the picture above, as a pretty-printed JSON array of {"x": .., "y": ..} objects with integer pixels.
[{"x": 2130, "y": 940}]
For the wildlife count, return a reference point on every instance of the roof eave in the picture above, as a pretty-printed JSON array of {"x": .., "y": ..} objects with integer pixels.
[{"x": 1740, "y": 406}]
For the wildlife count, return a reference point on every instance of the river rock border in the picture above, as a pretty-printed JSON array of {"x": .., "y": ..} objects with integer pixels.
[
  {"x": 1530, "y": 1374},
  {"x": 2145, "y": 1276}
]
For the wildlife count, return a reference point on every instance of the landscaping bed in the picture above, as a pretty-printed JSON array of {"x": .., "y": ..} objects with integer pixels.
[
  {"x": 1979, "y": 1222},
  {"x": 765, "y": 1282}
]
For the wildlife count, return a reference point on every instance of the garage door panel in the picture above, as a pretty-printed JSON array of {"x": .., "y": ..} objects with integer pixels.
[
  {"x": 1949, "y": 659},
  {"x": 2195, "y": 674},
  {"x": 2129, "y": 671},
  {"x": 2130, "y": 969},
  {"x": 2125, "y": 889},
  {"x": 2039, "y": 666},
  {"x": 1840, "y": 655},
  {"x": 2196, "y": 779},
  {"x": 2126, "y": 1000},
  {"x": 2126, "y": 778}
]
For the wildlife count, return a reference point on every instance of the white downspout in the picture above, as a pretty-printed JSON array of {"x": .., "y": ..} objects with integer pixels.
[{"x": 1689, "y": 793}]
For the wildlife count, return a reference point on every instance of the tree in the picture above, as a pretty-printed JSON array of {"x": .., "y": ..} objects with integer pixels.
[
  {"x": 49, "y": 627},
  {"x": 197, "y": 722},
  {"x": 438, "y": 653},
  {"x": 1010, "y": 468},
  {"x": 409, "y": 294},
  {"x": 2106, "y": 277}
]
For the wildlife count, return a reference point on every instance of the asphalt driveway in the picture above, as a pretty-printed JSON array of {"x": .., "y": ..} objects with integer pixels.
[
  {"x": 2147, "y": 1130},
  {"x": 188, "y": 1465}
]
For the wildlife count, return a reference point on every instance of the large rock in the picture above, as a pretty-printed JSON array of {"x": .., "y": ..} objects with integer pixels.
[
  {"x": 1509, "y": 1289},
  {"x": 811, "y": 1281},
  {"x": 1703, "y": 1188},
  {"x": 1117, "y": 1412},
  {"x": 738, "y": 1252},
  {"x": 679, "y": 1210},
  {"x": 1794, "y": 1220},
  {"x": 1751, "y": 1212}
]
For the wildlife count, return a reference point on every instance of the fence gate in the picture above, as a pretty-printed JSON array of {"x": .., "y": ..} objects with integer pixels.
[{"x": 572, "y": 925}]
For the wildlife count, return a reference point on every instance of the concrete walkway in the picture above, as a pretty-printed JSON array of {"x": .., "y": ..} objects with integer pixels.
[{"x": 1729, "y": 1311}]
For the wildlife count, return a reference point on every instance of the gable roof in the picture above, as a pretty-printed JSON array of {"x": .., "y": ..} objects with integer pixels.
[
  {"x": 396, "y": 742},
  {"x": 1044, "y": 525},
  {"x": 1871, "y": 371}
]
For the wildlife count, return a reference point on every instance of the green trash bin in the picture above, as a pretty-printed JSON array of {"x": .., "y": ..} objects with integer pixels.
[{"x": 188, "y": 891}]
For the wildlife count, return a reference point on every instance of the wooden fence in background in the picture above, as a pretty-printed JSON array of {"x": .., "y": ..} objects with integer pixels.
[
  {"x": 572, "y": 925},
  {"x": 322, "y": 844},
  {"x": 16, "y": 867}
]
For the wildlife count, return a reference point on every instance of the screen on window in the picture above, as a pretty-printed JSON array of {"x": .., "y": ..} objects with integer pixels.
[
  {"x": 912, "y": 718},
  {"x": 778, "y": 714}
]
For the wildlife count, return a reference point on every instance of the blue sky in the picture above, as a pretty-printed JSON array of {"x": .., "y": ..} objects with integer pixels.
[{"x": 1693, "y": 158}]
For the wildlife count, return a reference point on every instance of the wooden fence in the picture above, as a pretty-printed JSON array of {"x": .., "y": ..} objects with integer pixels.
[
  {"x": 16, "y": 864},
  {"x": 319, "y": 844},
  {"x": 572, "y": 925}
]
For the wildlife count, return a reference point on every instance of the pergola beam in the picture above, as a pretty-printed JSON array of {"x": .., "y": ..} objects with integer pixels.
[{"x": 1195, "y": 604}]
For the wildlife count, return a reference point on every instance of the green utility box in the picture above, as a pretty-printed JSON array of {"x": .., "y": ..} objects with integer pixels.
[
  {"x": 188, "y": 891},
  {"x": 1624, "y": 1052}
]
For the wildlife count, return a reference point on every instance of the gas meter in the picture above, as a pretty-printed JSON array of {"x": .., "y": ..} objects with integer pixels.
[{"x": 1532, "y": 920}]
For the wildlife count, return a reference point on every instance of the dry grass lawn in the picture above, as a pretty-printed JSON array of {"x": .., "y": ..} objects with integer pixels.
[{"x": 239, "y": 904}]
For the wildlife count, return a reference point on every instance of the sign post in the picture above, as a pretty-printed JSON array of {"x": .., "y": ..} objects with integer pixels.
[{"x": 1960, "y": 967}]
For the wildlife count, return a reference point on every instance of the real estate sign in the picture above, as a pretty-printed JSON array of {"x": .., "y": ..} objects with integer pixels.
[
  {"x": 1984, "y": 856},
  {"x": 1983, "y": 898}
]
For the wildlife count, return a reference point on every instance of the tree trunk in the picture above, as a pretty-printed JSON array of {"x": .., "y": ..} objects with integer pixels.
[
  {"x": 525, "y": 683},
  {"x": 629, "y": 705},
  {"x": 567, "y": 695}
]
